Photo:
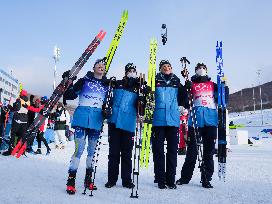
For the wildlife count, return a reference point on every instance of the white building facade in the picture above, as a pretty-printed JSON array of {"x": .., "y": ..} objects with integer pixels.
[{"x": 10, "y": 87}]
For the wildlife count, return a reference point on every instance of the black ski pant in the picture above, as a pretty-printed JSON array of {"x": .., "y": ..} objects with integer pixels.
[
  {"x": 208, "y": 135},
  {"x": 17, "y": 130},
  {"x": 159, "y": 134},
  {"x": 40, "y": 139},
  {"x": 120, "y": 142},
  {"x": 31, "y": 141}
]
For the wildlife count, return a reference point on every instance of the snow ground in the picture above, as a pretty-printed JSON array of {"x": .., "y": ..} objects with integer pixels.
[{"x": 41, "y": 179}]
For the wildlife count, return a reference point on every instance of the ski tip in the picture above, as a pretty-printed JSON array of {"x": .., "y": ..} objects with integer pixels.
[
  {"x": 14, "y": 151},
  {"x": 125, "y": 15},
  {"x": 16, "y": 148},
  {"x": 21, "y": 151},
  {"x": 101, "y": 35},
  {"x": 219, "y": 44}
]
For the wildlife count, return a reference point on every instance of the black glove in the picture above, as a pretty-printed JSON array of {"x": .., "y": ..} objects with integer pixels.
[
  {"x": 188, "y": 85},
  {"x": 31, "y": 99},
  {"x": 78, "y": 85},
  {"x": 66, "y": 74},
  {"x": 184, "y": 73},
  {"x": 25, "y": 98},
  {"x": 113, "y": 80},
  {"x": 109, "y": 81},
  {"x": 25, "y": 105}
]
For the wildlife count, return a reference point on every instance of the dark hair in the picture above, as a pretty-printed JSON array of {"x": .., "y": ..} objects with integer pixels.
[
  {"x": 130, "y": 66},
  {"x": 200, "y": 65},
  {"x": 163, "y": 62},
  {"x": 103, "y": 60}
]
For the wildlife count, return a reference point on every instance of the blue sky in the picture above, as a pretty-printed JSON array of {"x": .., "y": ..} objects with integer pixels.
[{"x": 31, "y": 28}]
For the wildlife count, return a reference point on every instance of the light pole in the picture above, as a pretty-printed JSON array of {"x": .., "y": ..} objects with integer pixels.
[
  {"x": 243, "y": 107},
  {"x": 253, "y": 97},
  {"x": 56, "y": 57},
  {"x": 259, "y": 78}
]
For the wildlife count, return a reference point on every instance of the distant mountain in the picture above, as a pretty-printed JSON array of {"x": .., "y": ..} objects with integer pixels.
[{"x": 243, "y": 100}]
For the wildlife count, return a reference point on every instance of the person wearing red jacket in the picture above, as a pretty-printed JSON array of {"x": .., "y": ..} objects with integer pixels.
[
  {"x": 40, "y": 134},
  {"x": 183, "y": 130}
]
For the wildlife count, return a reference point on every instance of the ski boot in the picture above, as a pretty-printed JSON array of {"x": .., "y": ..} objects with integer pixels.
[
  {"x": 38, "y": 151},
  {"x": 71, "y": 189},
  {"x": 8, "y": 152},
  {"x": 30, "y": 150},
  {"x": 171, "y": 186},
  {"x": 206, "y": 184},
  {"x": 48, "y": 151},
  {"x": 88, "y": 183},
  {"x": 109, "y": 184},
  {"x": 129, "y": 185},
  {"x": 181, "y": 182},
  {"x": 162, "y": 186}
]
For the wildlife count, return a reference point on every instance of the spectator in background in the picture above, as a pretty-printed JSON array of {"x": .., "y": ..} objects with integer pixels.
[
  {"x": 19, "y": 121},
  {"x": 60, "y": 117},
  {"x": 36, "y": 108},
  {"x": 183, "y": 130},
  {"x": 31, "y": 116},
  {"x": 6, "y": 127}
]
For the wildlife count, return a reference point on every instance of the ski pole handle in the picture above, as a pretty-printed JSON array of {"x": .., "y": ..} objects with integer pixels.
[
  {"x": 184, "y": 60},
  {"x": 185, "y": 73}
]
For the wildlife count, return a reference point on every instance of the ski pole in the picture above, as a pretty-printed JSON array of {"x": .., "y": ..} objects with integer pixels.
[{"x": 137, "y": 141}]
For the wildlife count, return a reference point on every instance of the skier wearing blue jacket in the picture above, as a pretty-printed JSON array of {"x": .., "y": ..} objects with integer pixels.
[
  {"x": 122, "y": 125},
  {"x": 87, "y": 120},
  {"x": 169, "y": 97},
  {"x": 204, "y": 115}
]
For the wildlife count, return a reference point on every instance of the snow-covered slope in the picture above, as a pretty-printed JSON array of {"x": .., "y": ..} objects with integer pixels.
[
  {"x": 254, "y": 122},
  {"x": 251, "y": 118}
]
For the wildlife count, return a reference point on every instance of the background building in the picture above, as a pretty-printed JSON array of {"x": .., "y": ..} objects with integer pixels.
[{"x": 9, "y": 85}]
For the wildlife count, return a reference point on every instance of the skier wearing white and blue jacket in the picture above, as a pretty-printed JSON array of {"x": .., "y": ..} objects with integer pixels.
[
  {"x": 169, "y": 97},
  {"x": 204, "y": 115},
  {"x": 122, "y": 125},
  {"x": 87, "y": 119}
]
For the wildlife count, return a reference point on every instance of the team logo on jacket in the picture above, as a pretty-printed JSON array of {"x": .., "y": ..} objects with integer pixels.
[
  {"x": 204, "y": 94},
  {"x": 92, "y": 94}
]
